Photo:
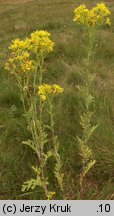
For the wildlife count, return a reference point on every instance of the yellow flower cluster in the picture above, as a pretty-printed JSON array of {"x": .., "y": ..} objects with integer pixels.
[
  {"x": 97, "y": 16},
  {"x": 40, "y": 42},
  {"x": 19, "y": 61},
  {"x": 45, "y": 89},
  {"x": 21, "y": 51},
  {"x": 18, "y": 45}
]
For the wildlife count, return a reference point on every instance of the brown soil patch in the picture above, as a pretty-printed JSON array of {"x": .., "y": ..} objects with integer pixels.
[{"x": 14, "y": 1}]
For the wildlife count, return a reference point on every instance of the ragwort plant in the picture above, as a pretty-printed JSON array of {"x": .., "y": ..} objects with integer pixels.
[
  {"x": 26, "y": 63},
  {"x": 46, "y": 93},
  {"x": 90, "y": 21}
]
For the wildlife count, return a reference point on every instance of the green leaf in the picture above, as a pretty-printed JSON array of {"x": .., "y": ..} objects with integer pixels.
[
  {"x": 30, "y": 144},
  {"x": 88, "y": 167}
]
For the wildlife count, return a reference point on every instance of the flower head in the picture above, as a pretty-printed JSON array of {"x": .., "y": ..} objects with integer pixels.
[
  {"x": 81, "y": 14},
  {"x": 45, "y": 90},
  {"x": 40, "y": 42},
  {"x": 19, "y": 62},
  {"x": 97, "y": 16},
  {"x": 51, "y": 194},
  {"x": 22, "y": 51},
  {"x": 18, "y": 44}
]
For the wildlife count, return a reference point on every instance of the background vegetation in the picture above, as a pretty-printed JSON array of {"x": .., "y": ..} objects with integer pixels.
[{"x": 19, "y": 19}]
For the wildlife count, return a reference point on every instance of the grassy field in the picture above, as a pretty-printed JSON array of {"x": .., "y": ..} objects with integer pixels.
[{"x": 18, "y": 20}]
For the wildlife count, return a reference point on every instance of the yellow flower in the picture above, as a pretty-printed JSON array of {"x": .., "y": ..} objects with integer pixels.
[
  {"x": 43, "y": 97},
  {"x": 56, "y": 89},
  {"x": 20, "y": 62},
  {"x": 45, "y": 90},
  {"x": 97, "y": 16},
  {"x": 18, "y": 44},
  {"x": 22, "y": 51},
  {"x": 50, "y": 195},
  {"x": 108, "y": 22},
  {"x": 27, "y": 65},
  {"x": 40, "y": 42},
  {"x": 81, "y": 14}
]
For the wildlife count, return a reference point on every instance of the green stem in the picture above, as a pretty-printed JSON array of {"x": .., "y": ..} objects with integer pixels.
[
  {"x": 21, "y": 91},
  {"x": 41, "y": 161},
  {"x": 56, "y": 147},
  {"x": 86, "y": 87}
]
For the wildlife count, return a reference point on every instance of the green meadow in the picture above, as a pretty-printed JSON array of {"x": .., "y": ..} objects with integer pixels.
[{"x": 62, "y": 66}]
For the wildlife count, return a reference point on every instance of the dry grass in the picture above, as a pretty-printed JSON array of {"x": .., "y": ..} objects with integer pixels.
[{"x": 14, "y": 1}]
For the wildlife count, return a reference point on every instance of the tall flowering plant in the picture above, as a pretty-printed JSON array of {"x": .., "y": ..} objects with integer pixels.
[
  {"x": 46, "y": 93},
  {"x": 90, "y": 21},
  {"x": 26, "y": 63}
]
